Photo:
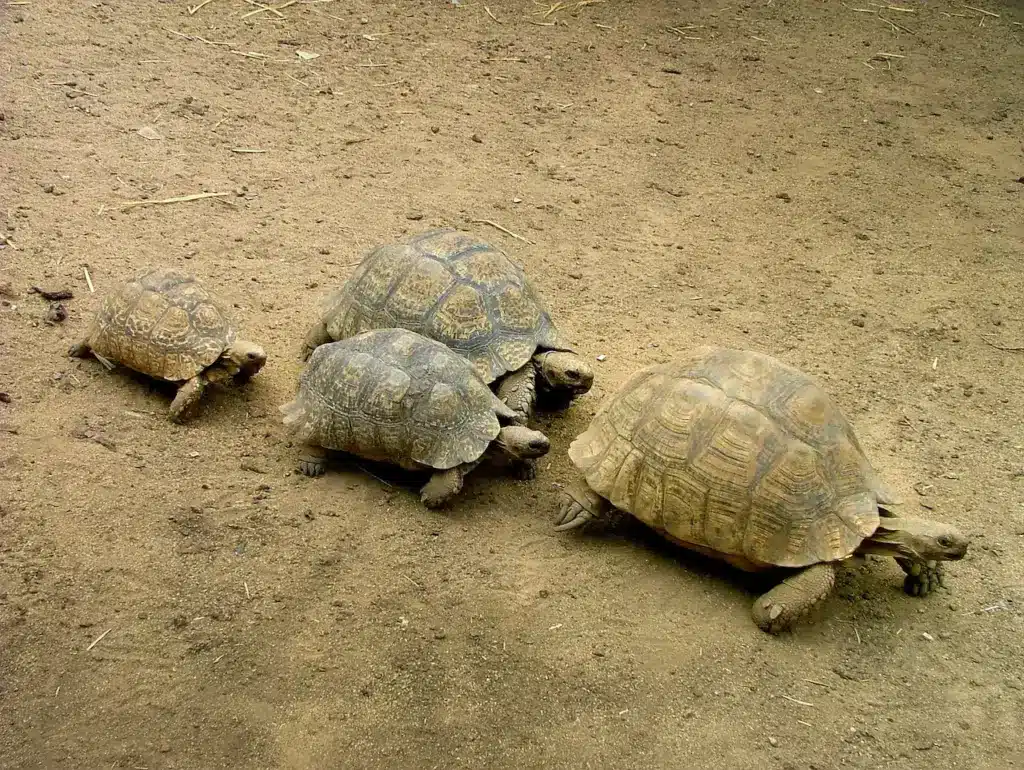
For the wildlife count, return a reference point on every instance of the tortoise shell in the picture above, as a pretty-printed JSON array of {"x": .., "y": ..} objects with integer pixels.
[
  {"x": 396, "y": 396},
  {"x": 162, "y": 322},
  {"x": 454, "y": 288},
  {"x": 735, "y": 452}
]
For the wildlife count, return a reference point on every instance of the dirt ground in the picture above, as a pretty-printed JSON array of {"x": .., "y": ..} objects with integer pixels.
[{"x": 837, "y": 185}]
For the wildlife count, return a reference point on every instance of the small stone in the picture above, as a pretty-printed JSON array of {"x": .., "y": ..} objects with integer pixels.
[
  {"x": 56, "y": 313},
  {"x": 5, "y": 398},
  {"x": 476, "y": 138},
  {"x": 784, "y": 196},
  {"x": 575, "y": 275},
  {"x": 773, "y": 742},
  {"x": 715, "y": 308},
  {"x": 435, "y": 129},
  {"x": 517, "y": 200},
  {"x": 927, "y": 637},
  {"x": 862, "y": 236},
  {"x": 859, "y": 322},
  {"x": 415, "y": 216},
  {"x": 602, "y": 357}
]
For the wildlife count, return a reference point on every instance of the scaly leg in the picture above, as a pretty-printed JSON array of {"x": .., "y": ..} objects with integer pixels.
[
  {"x": 794, "y": 597},
  {"x": 80, "y": 350},
  {"x": 187, "y": 397},
  {"x": 922, "y": 577},
  {"x": 578, "y": 506},
  {"x": 313, "y": 461},
  {"x": 316, "y": 337},
  {"x": 444, "y": 485},
  {"x": 518, "y": 390}
]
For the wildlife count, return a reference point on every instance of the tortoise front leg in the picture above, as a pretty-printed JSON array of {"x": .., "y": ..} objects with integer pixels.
[
  {"x": 578, "y": 506},
  {"x": 187, "y": 397},
  {"x": 80, "y": 350},
  {"x": 313, "y": 461},
  {"x": 518, "y": 390},
  {"x": 444, "y": 485},
  {"x": 778, "y": 609},
  {"x": 316, "y": 337},
  {"x": 922, "y": 578}
]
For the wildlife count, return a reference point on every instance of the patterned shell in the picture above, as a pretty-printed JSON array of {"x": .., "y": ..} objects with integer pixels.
[
  {"x": 163, "y": 323},
  {"x": 736, "y": 452},
  {"x": 454, "y": 288},
  {"x": 395, "y": 396}
]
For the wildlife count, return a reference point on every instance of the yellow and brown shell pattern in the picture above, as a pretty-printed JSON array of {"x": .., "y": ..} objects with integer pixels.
[
  {"x": 395, "y": 396},
  {"x": 452, "y": 287},
  {"x": 163, "y": 323},
  {"x": 734, "y": 451}
]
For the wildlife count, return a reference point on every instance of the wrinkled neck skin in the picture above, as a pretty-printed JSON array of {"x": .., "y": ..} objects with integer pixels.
[{"x": 915, "y": 540}]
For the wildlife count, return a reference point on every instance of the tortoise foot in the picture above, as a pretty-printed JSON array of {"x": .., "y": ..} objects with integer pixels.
[
  {"x": 526, "y": 470},
  {"x": 441, "y": 488},
  {"x": 796, "y": 596},
  {"x": 922, "y": 578}
]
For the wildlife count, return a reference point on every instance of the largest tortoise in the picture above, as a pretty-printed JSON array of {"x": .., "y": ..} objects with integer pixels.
[
  {"x": 453, "y": 287},
  {"x": 738, "y": 456}
]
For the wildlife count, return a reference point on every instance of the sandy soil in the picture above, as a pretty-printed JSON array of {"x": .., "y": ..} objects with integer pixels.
[{"x": 839, "y": 188}]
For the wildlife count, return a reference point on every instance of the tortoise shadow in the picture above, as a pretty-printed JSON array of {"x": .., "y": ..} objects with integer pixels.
[{"x": 701, "y": 567}]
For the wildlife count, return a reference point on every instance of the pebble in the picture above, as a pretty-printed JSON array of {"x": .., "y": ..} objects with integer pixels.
[
  {"x": 927, "y": 637},
  {"x": 773, "y": 742},
  {"x": 602, "y": 357}
]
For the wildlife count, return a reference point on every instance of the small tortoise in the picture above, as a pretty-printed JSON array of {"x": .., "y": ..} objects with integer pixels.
[
  {"x": 737, "y": 456},
  {"x": 165, "y": 324},
  {"x": 457, "y": 289},
  {"x": 392, "y": 395}
]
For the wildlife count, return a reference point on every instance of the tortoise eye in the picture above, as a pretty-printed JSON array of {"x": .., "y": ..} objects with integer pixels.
[
  {"x": 945, "y": 542},
  {"x": 573, "y": 374}
]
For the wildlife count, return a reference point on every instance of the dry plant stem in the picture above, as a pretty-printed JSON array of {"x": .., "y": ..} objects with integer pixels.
[
  {"x": 276, "y": 9},
  {"x": 193, "y": 8},
  {"x": 981, "y": 10},
  {"x": 488, "y": 10},
  {"x": 180, "y": 199},
  {"x": 496, "y": 226}
]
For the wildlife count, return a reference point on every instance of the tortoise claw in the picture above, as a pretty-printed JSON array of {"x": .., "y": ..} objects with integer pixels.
[
  {"x": 922, "y": 577},
  {"x": 571, "y": 515}
]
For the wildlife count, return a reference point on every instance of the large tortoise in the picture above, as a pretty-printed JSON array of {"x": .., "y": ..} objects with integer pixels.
[
  {"x": 457, "y": 289},
  {"x": 392, "y": 395},
  {"x": 163, "y": 323},
  {"x": 738, "y": 456}
]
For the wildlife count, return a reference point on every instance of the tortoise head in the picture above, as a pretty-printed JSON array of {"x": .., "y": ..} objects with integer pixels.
[
  {"x": 521, "y": 442},
  {"x": 918, "y": 540},
  {"x": 563, "y": 370},
  {"x": 243, "y": 359}
]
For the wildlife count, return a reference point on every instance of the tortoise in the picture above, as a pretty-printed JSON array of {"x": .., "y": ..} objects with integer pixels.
[
  {"x": 395, "y": 396},
  {"x": 457, "y": 289},
  {"x": 164, "y": 323},
  {"x": 740, "y": 457}
]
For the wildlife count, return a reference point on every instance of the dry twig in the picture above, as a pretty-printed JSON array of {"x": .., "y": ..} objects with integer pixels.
[
  {"x": 179, "y": 199},
  {"x": 496, "y": 226}
]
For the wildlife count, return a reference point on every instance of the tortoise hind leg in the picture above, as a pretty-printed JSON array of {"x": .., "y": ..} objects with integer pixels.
[
  {"x": 518, "y": 390},
  {"x": 794, "y": 597},
  {"x": 187, "y": 397},
  {"x": 444, "y": 485},
  {"x": 80, "y": 350}
]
